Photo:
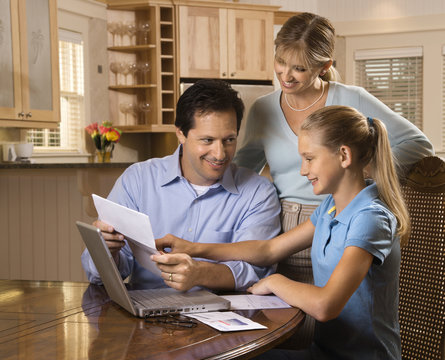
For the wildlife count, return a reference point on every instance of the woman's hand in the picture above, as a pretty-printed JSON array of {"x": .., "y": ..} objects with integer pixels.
[{"x": 174, "y": 243}]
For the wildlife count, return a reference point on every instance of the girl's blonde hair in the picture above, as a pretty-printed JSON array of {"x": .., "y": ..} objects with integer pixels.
[
  {"x": 368, "y": 139},
  {"x": 310, "y": 36}
]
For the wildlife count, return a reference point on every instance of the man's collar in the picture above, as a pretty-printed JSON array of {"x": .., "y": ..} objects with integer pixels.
[{"x": 173, "y": 166}]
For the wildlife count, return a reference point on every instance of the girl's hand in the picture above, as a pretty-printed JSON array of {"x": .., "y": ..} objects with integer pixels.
[
  {"x": 176, "y": 244},
  {"x": 262, "y": 287}
]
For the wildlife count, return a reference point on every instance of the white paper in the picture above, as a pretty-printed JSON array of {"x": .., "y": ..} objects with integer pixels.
[
  {"x": 226, "y": 321},
  {"x": 135, "y": 226},
  {"x": 252, "y": 302}
]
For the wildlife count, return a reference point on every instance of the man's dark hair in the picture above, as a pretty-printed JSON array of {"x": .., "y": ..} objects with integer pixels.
[{"x": 207, "y": 96}]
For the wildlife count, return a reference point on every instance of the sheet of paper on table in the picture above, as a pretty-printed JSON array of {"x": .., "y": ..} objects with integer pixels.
[
  {"x": 135, "y": 226},
  {"x": 226, "y": 321},
  {"x": 252, "y": 302}
]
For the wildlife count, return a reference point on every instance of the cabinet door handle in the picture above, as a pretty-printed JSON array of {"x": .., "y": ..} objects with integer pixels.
[
  {"x": 233, "y": 74},
  {"x": 28, "y": 115},
  {"x": 21, "y": 114},
  {"x": 224, "y": 74}
]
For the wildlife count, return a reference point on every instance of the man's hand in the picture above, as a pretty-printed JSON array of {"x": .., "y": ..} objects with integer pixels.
[
  {"x": 176, "y": 244},
  {"x": 114, "y": 240},
  {"x": 179, "y": 271}
]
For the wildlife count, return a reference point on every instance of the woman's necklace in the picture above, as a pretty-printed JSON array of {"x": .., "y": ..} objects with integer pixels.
[{"x": 307, "y": 107}]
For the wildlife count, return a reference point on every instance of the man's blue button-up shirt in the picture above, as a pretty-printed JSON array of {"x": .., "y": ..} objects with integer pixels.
[{"x": 241, "y": 206}]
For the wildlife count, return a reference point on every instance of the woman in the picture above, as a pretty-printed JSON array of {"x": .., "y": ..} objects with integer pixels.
[{"x": 303, "y": 65}]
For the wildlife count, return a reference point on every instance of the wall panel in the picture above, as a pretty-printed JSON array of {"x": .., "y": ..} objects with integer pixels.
[{"x": 38, "y": 211}]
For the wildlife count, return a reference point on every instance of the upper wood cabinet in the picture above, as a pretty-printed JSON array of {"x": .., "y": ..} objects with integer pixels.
[
  {"x": 29, "y": 67},
  {"x": 227, "y": 43},
  {"x": 142, "y": 65}
]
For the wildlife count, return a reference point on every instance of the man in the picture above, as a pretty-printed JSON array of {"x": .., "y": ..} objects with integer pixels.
[{"x": 196, "y": 194}]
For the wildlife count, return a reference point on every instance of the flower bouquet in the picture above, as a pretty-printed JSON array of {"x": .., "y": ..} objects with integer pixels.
[{"x": 104, "y": 138}]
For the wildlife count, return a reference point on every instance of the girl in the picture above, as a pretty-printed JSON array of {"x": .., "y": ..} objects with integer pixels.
[{"x": 354, "y": 235}]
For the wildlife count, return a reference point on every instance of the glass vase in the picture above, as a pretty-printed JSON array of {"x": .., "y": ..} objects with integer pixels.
[{"x": 103, "y": 156}]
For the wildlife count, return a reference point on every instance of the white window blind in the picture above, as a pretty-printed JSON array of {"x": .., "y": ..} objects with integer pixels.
[
  {"x": 394, "y": 76},
  {"x": 71, "y": 71}
]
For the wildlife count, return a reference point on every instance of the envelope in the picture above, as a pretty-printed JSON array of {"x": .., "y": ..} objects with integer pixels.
[{"x": 135, "y": 226}]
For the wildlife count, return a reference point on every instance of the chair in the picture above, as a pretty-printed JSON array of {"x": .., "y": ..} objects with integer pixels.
[{"x": 422, "y": 272}]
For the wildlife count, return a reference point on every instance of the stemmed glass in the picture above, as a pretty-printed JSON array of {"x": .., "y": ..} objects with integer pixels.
[
  {"x": 126, "y": 108},
  {"x": 112, "y": 28},
  {"x": 114, "y": 68},
  {"x": 144, "y": 107},
  {"x": 144, "y": 68},
  {"x": 130, "y": 30},
  {"x": 121, "y": 29},
  {"x": 144, "y": 28},
  {"x": 124, "y": 69},
  {"x": 133, "y": 69}
]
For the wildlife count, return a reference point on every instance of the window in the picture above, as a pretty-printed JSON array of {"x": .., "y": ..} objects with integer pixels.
[
  {"x": 395, "y": 77},
  {"x": 67, "y": 137}
]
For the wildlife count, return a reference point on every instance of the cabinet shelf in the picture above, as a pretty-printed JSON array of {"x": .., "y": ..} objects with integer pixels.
[
  {"x": 132, "y": 48},
  {"x": 131, "y": 87},
  {"x": 148, "y": 128},
  {"x": 159, "y": 84}
]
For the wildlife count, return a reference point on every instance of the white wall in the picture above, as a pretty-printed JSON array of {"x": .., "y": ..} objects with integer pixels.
[{"x": 354, "y": 10}]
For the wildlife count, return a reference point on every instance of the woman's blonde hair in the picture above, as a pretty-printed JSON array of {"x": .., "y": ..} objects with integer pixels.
[
  {"x": 312, "y": 37},
  {"x": 368, "y": 139}
]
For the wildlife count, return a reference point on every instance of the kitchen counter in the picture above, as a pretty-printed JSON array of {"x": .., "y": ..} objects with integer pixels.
[{"x": 19, "y": 165}]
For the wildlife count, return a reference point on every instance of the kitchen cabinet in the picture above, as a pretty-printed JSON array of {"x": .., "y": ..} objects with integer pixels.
[
  {"x": 225, "y": 42},
  {"x": 143, "y": 82},
  {"x": 29, "y": 77}
]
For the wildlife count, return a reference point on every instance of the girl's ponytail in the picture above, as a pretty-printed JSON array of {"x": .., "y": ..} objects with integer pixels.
[{"x": 385, "y": 176}]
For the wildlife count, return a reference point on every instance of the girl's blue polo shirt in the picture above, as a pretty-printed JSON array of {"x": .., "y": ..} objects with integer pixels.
[{"x": 367, "y": 327}]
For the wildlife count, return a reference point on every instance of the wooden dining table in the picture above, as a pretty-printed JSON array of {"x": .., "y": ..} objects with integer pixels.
[{"x": 76, "y": 320}]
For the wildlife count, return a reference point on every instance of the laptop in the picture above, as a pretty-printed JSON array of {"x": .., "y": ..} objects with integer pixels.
[{"x": 148, "y": 302}]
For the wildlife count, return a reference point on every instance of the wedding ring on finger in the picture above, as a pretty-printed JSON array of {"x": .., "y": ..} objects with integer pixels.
[{"x": 170, "y": 277}]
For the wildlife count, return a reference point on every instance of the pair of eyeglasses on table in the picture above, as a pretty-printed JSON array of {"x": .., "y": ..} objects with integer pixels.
[{"x": 171, "y": 320}]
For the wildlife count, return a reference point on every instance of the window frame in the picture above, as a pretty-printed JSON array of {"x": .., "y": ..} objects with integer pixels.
[
  {"x": 386, "y": 59},
  {"x": 431, "y": 42},
  {"x": 73, "y": 19}
]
